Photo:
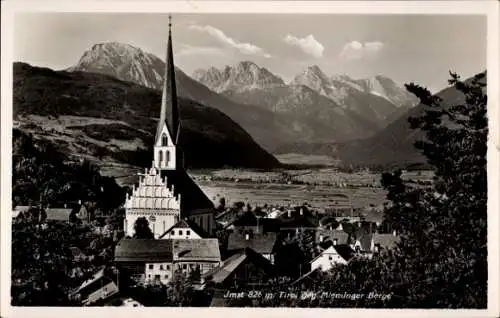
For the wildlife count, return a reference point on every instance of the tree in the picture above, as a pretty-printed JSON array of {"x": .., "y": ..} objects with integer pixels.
[
  {"x": 179, "y": 290},
  {"x": 142, "y": 230},
  {"x": 222, "y": 204},
  {"x": 443, "y": 254},
  {"x": 195, "y": 276}
]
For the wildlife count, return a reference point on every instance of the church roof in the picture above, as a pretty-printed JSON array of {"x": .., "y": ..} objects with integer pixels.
[
  {"x": 193, "y": 199},
  {"x": 169, "y": 108}
]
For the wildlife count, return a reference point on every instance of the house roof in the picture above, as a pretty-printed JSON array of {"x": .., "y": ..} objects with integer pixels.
[
  {"x": 221, "y": 273},
  {"x": 366, "y": 241},
  {"x": 341, "y": 236},
  {"x": 91, "y": 281},
  {"x": 22, "y": 208},
  {"x": 364, "y": 236},
  {"x": 187, "y": 223},
  {"x": 196, "y": 249},
  {"x": 249, "y": 219},
  {"x": 344, "y": 250},
  {"x": 262, "y": 243},
  {"x": 386, "y": 240},
  {"x": 144, "y": 250},
  {"x": 298, "y": 220},
  {"x": 58, "y": 214},
  {"x": 151, "y": 250},
  {"x": 193, "y": 199}
]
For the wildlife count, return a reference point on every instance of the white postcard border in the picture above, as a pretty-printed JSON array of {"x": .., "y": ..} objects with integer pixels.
[{"x": 489, "y": 8}]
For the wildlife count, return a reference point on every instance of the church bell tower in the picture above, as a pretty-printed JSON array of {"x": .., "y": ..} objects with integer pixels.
[{"x": 167, "y": 155}]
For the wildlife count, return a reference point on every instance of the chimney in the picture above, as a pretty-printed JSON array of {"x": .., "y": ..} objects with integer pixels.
[
  {"x": 247, "y": 236},
  {"x": 321, "y": 238},
  {"x": 335, "y": 241}
]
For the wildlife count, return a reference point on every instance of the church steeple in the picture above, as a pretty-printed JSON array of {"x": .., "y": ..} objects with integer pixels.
[
  {"x": 167, "y": 155},
  {"x": 169, "y": 109}
]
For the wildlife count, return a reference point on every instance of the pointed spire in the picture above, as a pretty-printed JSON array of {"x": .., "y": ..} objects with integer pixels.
[{"x": 169, "y": 109}]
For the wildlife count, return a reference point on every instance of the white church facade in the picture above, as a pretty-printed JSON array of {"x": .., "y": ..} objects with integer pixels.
[
  {"x": 166, "y": 193},
  {"x": 152, "y": 199}
]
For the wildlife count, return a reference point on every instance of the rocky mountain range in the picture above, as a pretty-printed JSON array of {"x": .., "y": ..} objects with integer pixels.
[
  {"x": 272, "y": 111},
  {"x": 374, "y": 100}
]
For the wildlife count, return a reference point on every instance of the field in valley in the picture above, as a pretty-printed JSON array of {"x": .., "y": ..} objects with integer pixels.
[{"x": 320, "y": 187}]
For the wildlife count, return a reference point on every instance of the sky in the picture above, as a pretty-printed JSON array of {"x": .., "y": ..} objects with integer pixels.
[{"x": 407, "y": 48}]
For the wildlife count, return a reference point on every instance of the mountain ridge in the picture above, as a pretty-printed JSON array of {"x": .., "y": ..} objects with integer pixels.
[
  {"x": 368, "y": 99},
  {"x": 270, "y": 129},
  {"x": 103, "y": 117}
]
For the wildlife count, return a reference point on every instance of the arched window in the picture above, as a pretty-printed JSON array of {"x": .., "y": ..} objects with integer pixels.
[
  {"x": 168, "y": 156},
  {"x": 164, "y": 140},
  {"x": 160, "y": 157}
]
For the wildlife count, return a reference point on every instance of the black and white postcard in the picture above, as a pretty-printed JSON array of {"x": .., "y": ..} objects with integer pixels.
[{"x": 320, "y": 157}]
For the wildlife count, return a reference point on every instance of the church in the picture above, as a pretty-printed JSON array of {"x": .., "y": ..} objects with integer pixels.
[{"x": 166, "y": 194}]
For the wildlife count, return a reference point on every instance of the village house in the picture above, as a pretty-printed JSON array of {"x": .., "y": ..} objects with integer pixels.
[
  {"x": 98, "y": 288},
  {"x": 333, "y": 255},
  {"x": 19, "y": 209},
  {"x": 67, "y": 212},
  {"x": 166, "y": 193},
  {"x": 361, "y": 242},
  {"x": 246, "y": 267},
  {"x": 275, "y": 213},
  {"x": 184, "y": 229},
  {"x": 263, "y": 243},
  {"x": 154, "y": 261}
]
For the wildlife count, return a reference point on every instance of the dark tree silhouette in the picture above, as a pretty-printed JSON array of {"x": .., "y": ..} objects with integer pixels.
[
  {"x": 142, "y": 230},
  {"x": 443, "y": 250}
]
